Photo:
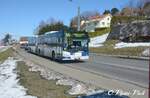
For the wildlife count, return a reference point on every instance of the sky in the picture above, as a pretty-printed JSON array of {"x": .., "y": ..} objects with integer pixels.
[{"x": 21, "y": 17}]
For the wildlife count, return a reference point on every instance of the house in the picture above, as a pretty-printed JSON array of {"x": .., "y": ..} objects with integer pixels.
[{"x": 103, "y": 21}]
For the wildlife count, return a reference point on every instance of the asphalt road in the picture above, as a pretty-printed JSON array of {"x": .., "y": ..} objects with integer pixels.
[
  {"x": 127, "y": 70},
  {"x": 103, "y": 71}
]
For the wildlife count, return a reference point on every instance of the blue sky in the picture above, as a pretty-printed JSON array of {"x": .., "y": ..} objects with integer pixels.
[{"x": 21, "y": 17}]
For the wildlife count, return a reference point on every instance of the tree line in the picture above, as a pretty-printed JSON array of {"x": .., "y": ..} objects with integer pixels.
[
  {"x": 133, "y": 8},
  {"x": 50, "y": 25}
]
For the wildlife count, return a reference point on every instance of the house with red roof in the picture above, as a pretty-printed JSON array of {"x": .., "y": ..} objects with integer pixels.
[{"x": 94, "y": 22}]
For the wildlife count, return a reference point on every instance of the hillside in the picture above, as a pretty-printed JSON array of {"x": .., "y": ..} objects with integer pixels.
[{"x": 137, "y": 31}]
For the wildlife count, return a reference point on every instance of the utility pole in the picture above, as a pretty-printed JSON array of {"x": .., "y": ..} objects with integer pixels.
[
  {"x": 78, "y": 18},
  {"x": 78, "y": 21}
]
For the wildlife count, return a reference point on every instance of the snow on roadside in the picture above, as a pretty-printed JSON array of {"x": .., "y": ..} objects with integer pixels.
[
  {"x": 146, "y": 52},
  {"x": 77, "y": 87},
  {"x": 98, "y": 41},
  {"x": 9, "y": 86},
  {"x": 3, "y": 48},
  {"x": 124, "y": 45}
]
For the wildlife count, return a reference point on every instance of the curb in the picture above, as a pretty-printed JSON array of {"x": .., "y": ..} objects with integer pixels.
[{"x": 123, "y": 56}]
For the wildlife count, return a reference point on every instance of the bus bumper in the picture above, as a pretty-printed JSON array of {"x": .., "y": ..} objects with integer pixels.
[{"x": 75, "y": 56}]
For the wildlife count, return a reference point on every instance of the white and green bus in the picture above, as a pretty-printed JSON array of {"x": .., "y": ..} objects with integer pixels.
[{"x": 59, "y": 45}]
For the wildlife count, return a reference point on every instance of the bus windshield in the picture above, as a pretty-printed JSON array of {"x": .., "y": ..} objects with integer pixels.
[
  {"x": 78, "y": 45},
  {"x": 82, "y": 43}
]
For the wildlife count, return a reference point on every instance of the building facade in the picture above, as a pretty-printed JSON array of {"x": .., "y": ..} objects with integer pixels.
[{"x": 94, "y": 22}]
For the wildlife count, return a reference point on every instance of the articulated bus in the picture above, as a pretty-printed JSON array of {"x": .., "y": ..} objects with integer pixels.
[{"x": 61, "y": 46}]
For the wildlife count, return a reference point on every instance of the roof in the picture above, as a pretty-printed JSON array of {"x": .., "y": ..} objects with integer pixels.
[{"x": 99, "y": 17}]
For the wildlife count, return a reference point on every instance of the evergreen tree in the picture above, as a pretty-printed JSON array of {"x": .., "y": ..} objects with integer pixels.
[
  {"x": 114, "y": 11},
  {"x": 107, "y": 12}
]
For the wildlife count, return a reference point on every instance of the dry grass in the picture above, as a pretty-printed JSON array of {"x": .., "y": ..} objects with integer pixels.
[
  {"x": 40, "y": 87},
  {"x": 108, "y": 48},
  {"x": 5, "y": 54},
  {"x": 99, "y": 32}
]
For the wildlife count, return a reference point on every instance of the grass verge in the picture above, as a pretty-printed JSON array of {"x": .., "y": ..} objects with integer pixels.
[
  {"x": 40, "y": 87},
  {"x": 108, "y": 49},
  {"x": 5, "y": 54},
  {"x": 99, "y": 32}
]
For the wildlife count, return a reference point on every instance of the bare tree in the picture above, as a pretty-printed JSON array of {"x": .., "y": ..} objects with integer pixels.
[
  {"x": 131, "y": 4},
  {"x": 146, "y": 9},
  {"x": 88, "y": 14},
  {"x": 145, "y": 1},
  {"x": 51, "y": 21},
  {"x": 7, "y": 38},
  {"x": 42, "y": 24},
  {"x": 140, "y": 4},
  {"x": 127, "y": 11},
  {"x": 135, "y": 7}
]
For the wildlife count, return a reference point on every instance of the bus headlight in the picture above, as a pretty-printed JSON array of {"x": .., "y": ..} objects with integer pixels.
[{"x": 66, "y": 54}]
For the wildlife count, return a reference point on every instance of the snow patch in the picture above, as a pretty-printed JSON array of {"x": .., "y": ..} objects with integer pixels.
[
  {"x": 98, "y": 41},
  {"x": 4, "y": 48},
  {"x": 66, "y": 81},
  {"x": 9, "y": 86},
  {"x": 124, "y": 45},
  {"x": 146, "y": 52},
  {"x": 77, "y": 87}
]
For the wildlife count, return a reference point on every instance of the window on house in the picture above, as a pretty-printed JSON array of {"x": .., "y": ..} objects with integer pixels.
[
  {"x": 95, "y": 23},
  {"x": 103, "y": 23}
]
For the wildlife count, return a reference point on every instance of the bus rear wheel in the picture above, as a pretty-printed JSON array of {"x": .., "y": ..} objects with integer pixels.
[{"x": 53, "y": 55}]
